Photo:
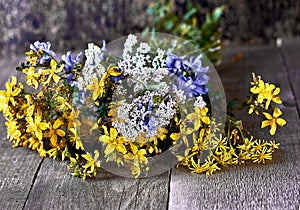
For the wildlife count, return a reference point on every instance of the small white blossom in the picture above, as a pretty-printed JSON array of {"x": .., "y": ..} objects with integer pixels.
[{"x": 199, "y": 102}]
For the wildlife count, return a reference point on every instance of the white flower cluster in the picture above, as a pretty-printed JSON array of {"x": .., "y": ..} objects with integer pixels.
[
  {"x": 92, "y": 68},
  {"x": 140, "y": 66},
  {"x": 130, "y": 120},
  {"x": 199, "y": 102}
]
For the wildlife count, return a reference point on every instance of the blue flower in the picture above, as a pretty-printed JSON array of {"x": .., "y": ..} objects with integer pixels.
[
  {"x": 184, "y": 83},
  {"x": 147, "y": 118},
  {"x": 198, "y": 87},
  {"x": 69, "y": 61},
  {"x": 196, "y": 65},
  {"x": 174, "y": 64},
  {"x": 38, "y": 46},
  {"x": 191, "y": 75},
  {"x": 69, "y": 65}
]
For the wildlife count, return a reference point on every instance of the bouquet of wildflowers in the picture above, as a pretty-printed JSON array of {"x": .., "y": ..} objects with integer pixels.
[{"x": 136, "y": 107}]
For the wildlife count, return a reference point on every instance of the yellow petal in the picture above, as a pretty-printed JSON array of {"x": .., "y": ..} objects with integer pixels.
[
  {"x": 267, "y": 115},
  {"x": 53, "y": 64},
  {"x": 60, "y": 132},
  {"x": 269, "y": 87},
  {"x": 175, "y": 136},
  {"x": 13, "y": 80},
  {"x": 254, "y": 90},
  {"x": 192, "y": 116},
  {"x": 104, "y": 139},
  {"x": 43, "y": 126},
  {"x": 277, "y": 100},
  {"x": 56, "y": 78},
  {"x": 113, "y": 133},
  {"x": 16, "y": 92},
  {"x": 96, "y": 155},
  {"x": 265, "y": 123},
  {"x": 277, "y": 112},
  {"x": 204, "y": 111},
  {"x": 53, "y": 140},
  {"x": 142, "y": 152},
  {"x": 57, "y": 123},
  {"x": 121, "y": 148},
  {"x": 268, "y": 103},
  {"x": 134, "y": 148},
  {"x": 273, "y": 129},
  {"x": 109, "y": 149},
  {"x": 105, "y": 130},
  {"x": 206, "y": 120},
  {"x": 276, "y": 91},
  {"x": 197, "y": 124},
  {"x": 280, "y": 121}
]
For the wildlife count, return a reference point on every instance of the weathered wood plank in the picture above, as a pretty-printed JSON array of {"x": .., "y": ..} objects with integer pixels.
[
  {"x": 275, "y": 185},
  {"x": 270, "y": 186},
  {"x": 17, "y": 171},
  {"x": 17, "y": 166},
  {"x": 290, "y": 52},
  {"x": 55, "y": 188},
  {"x": 8, "y": 68}
]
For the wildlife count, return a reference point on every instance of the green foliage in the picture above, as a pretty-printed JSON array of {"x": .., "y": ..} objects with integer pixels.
[{"x": 203, "y": 32}]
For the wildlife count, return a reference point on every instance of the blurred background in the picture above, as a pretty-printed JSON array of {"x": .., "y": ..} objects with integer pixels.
[{"x": 71, "y": 24}]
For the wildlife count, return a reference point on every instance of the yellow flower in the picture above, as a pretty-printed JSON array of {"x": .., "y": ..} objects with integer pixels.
[
  {"x": 209, "y": 166},
  {"x": 113, "y": 142},
  {"x": 200, "y": 143},
  {"x": 273, "y": 145},
  {"x": 246, "y": 145},
  {"x": 53, "y": 72},
  {"x": 64, "y": 105},
  {"x": 262, "y": 155},
  {"x": 92, "y": 163},
  {"x": 31, "y": 77},
  {"x": 31, "y": 58},
  {"x": 196, "y": 168},
  {"x": 75, "y": 138},
  {"x": 97, "y": 87},
  {"x": 13, "y": 131},
  {"x": 12, "y": 90},
  {"x": 258, "y": 145},
  {"x": 138, "y": 154},
  {"x": 184, "y": 132},
  {"x": 273, "y": 120},
  {"x": 199, "y": 116},
  {"x": 266, "y": 92},
  {"x": 36, "y": 126},
  {"x": 55, "y": 131}
]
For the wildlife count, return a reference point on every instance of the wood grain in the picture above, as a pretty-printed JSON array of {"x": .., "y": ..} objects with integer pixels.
[
  {"x": 290, "y": 57},
  {"x": 17, "y": 170},
  {"x": 55, "y": 188}
]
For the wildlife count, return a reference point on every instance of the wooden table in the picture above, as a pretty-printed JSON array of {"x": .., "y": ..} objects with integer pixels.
[{"x": 28, "y": 181}]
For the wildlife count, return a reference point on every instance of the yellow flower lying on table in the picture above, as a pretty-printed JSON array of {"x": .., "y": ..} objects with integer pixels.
[{"x": 273, "y": 120}]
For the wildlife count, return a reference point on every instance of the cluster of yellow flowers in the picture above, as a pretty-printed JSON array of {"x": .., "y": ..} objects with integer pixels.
[
  {"x": 262, "y": 95},
  {"x": 237, "y": 145},
  {"x": 41, "y": 117}
]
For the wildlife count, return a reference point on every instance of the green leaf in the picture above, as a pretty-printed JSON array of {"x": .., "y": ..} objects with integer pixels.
[{"x": 189, "y": 14}]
